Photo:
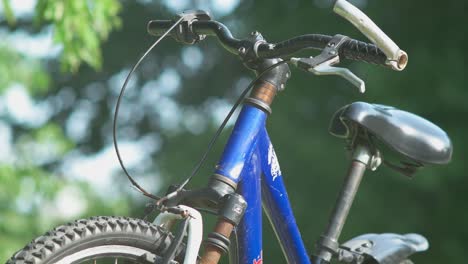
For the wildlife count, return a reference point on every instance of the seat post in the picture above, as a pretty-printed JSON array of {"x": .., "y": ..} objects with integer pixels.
[{"x": 328, "y": 245}]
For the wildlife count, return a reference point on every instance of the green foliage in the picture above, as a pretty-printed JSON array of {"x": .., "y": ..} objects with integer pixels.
[
  {"x": 9, "y": 15},
  {"x": 17, "y": 68},
  {"x": 28, "y": 198},
  {"x": 80, "y": 26},
  {"x": 47, "y": 142},
  {"x": 28, "y": 189},
  {"x": 21, "y": 185},
  {"x": 29, "y": 193}
]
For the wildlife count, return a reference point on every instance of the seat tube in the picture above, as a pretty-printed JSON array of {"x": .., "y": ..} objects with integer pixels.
[{"x": 328, "y": 244}]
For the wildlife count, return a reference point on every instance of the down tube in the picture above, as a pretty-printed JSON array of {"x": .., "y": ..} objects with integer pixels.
[
  {"x": 249, "y": 231},
  {"x": 276, "y": 204}
]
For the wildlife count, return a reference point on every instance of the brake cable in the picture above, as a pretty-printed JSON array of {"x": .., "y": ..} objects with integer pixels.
[
  {"x": 226, "y": 119},
  {"x": 117, "y": 107},
  {"x": 213, "y": 139}
]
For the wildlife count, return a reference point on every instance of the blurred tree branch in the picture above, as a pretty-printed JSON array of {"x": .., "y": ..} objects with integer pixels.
[{"x": 79, "y": 26}]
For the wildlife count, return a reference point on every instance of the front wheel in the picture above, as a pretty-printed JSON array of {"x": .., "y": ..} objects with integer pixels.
[{"x": 98, "y": 240}]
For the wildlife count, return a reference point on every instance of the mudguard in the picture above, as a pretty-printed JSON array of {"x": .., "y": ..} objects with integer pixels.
[{"x": 382, "y": 248}]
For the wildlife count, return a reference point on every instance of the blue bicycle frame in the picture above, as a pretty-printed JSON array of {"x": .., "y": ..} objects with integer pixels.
[{"x": 250, "y": 161}]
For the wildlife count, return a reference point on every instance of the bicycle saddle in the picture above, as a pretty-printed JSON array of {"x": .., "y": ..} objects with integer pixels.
[{"x": 408, "y": 134}]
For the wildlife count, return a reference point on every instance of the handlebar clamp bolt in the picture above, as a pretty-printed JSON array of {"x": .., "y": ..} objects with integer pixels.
[{"x": 242, "y": 51}]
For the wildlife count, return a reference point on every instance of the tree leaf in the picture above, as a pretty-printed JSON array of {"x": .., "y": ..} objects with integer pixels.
[{"x": 9, "y": 14}]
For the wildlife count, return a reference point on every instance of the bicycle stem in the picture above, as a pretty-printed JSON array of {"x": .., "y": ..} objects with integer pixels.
[{"x": 327, "y": 246}]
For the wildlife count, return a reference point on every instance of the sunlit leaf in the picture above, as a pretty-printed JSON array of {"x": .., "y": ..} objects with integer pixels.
[
  {"x": 9, "y": 14},
  {"x": 80, "y": 23}
]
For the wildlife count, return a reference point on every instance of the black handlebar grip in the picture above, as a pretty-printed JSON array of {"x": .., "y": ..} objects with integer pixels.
[
  {"x": 352, "y": 49},
  {"x": 158, "y": 27},
  {"x": 362, "y": 51}
]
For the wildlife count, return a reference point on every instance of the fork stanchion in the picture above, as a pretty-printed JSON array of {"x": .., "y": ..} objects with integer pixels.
[
  {"x": 217, "y": 243},
  {"x": 230, "y": 214}
]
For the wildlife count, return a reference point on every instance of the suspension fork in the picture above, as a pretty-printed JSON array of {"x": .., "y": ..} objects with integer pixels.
[{"x": 229, "y": 216}]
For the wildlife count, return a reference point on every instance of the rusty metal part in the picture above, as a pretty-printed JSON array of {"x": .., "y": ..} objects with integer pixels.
[
  {"x": 212, "y": 253},
  {"x": 262, "y": 95},
  {"x": 264, "y": 91}
]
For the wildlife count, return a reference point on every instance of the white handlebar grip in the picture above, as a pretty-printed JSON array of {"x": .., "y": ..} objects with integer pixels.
[{"x": 396, "y": 57}]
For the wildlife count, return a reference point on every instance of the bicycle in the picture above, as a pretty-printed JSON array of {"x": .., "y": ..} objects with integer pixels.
[{"x": 248, "y": 173}]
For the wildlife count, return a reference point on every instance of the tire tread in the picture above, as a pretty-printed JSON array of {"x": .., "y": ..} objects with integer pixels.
[{"x": 40, "y": 249}]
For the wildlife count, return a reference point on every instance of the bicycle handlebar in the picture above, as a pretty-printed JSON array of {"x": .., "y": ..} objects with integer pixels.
[{"x": 351, "y": 49}]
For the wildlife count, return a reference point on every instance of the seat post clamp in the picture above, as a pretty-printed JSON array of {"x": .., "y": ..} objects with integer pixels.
[{"x": 363, "y": 154}]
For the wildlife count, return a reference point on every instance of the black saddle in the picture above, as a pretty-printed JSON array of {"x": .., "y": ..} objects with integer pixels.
[{"x": 408, "y": 134}]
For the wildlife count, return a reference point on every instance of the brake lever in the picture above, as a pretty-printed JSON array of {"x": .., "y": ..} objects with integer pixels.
[
  {"x": 326, "y": 69},
  {"x": 322, "y": 64}
]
